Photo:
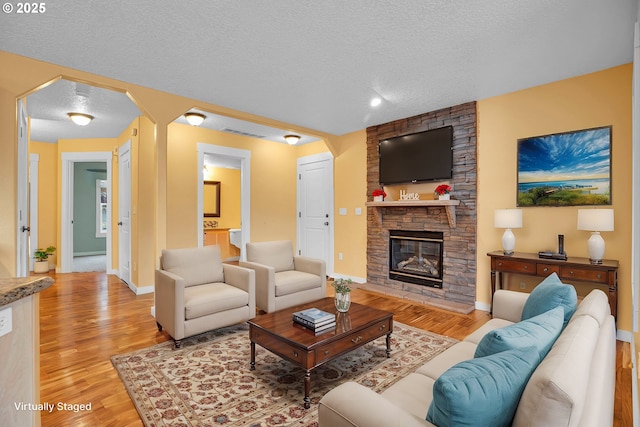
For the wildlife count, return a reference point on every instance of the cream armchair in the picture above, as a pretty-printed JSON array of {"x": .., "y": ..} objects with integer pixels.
[
  {"x": 195, "y": 292},
  {"x": 282, "y": 279}
]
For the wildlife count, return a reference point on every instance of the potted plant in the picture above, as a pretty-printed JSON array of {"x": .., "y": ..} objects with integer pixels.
[
  {"x": 343, "y": 294},
  {"x": 378, "y": 195},
  {"x": 41, "y": 263},
  {"x": 442, "y": 191}
]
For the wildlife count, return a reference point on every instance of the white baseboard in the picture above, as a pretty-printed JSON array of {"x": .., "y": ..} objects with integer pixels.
[
  {"x": 634, "y": 384},
  {"x": 625, "y": 336},
  {"x": 483, "y": 306}
]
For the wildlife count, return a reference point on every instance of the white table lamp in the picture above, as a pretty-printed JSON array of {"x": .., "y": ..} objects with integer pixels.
[
  {"x": 508, "y": 219},
  {"x": 595, "y": 220}
]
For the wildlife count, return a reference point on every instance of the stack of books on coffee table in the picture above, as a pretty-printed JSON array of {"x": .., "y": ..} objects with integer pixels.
[{"x": 315, "y": 319}]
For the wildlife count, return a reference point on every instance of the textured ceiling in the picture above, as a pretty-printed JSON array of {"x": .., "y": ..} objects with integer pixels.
[{"x": 317, "y": 64}]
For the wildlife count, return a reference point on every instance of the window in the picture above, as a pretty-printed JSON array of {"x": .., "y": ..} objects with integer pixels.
[{"x": 101, "y": 208}]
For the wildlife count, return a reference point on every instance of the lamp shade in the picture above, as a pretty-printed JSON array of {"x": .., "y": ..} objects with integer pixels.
[
  {"x": 595, "y": 219},
  {"x": 508, "y": 218}
]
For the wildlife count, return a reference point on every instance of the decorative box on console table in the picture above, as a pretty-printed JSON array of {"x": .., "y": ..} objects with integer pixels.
[{"x": 573, "y": 269}]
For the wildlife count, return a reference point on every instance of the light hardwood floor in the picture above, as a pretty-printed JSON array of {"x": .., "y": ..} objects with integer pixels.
[{"x": 85, "y": 318}]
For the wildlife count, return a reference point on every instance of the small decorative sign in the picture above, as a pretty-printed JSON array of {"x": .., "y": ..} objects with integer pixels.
[{"x": 409, "y": 196}]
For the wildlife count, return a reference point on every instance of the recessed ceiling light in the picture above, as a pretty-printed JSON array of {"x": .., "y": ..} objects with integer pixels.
[{"x": 375, "y": 102}]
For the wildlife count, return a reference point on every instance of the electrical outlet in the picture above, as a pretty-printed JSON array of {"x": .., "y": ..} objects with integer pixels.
[
  {"x": 523, "y": 285},
  {"x": 5, "y": 321},
  {"x": 340, "y": 256}
]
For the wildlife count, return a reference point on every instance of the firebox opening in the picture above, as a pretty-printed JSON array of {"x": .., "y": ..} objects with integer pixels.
[{"x": 416, "y": 257}]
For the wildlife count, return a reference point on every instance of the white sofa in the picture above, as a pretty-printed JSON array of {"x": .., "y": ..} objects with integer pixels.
[{"x": 572, "y": 386}]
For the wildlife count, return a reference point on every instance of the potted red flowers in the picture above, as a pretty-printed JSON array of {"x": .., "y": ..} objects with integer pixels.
[
  {"x": 442, "y": 191},
  {"x": 378, "y": 195}
]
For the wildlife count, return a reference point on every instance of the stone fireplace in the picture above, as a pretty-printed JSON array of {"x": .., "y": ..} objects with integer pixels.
[{"x": 456, "y": 224}]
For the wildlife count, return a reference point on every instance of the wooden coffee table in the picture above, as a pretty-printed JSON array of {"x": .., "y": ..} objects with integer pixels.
[{"x": 278, "y": 333}]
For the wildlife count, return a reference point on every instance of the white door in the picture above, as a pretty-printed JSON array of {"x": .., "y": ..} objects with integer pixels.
[
  {"x": 315, "y": 208},
  {"x": 22, "y": 244},
  {"x": 124, "y": 213}
]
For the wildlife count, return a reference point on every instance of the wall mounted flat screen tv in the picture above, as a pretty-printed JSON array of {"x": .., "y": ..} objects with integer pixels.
[{"x": 417, "y": 157}]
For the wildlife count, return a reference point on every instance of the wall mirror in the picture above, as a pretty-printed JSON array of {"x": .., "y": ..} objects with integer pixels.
[{"x": 211, "y": 198}]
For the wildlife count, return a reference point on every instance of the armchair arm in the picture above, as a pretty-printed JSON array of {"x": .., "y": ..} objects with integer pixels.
[
  {"x": 242, "y": 278},
  {"x": 351, "y": 404},
  {"x": 508, "y": 305},
  {"x": 312, "y": 266},
  {"x": 169, "y": 300},
  {"x": 265, "y": 284}
]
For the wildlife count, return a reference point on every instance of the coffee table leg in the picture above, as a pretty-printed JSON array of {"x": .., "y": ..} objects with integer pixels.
[
  {"x": 307, "y": 389},
  {"x": 253, "y": 356},
  {"x": 389, "y": 345}
]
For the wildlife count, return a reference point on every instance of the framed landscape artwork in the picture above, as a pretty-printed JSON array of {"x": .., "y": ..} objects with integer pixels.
[{"x": 565, "y": 169}]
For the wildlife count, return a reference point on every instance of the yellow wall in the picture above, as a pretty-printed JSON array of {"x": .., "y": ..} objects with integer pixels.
[
  {"x": 598, "y": 99},
  {"x": 311, "y": 148},
  {"x": 351, "y": 193},
  {"x": 229, "y": 195},
  {"x": 47, "y": 192}
]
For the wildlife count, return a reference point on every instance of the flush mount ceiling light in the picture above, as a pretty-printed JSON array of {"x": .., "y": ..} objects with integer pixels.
[
  {"x": 292, "y": 139},
  {"x": 80, "y": 119},
  {"x": 194, "y": 119}
]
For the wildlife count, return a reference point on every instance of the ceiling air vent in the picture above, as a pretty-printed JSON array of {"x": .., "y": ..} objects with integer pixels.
[{"x": 239, "y": 132}]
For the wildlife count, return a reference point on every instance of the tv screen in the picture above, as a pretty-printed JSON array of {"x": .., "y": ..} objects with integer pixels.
[{"x": 418, "y": 157}]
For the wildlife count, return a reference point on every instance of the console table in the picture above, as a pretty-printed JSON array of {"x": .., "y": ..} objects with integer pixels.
[{"x": 574, "y": 268}]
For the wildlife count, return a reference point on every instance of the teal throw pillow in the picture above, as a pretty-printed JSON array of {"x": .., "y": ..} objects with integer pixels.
[
  {"x": 539, "y": 331},
  {"x": 482, "y": 392},
  {"x": 551, "y": 293}
]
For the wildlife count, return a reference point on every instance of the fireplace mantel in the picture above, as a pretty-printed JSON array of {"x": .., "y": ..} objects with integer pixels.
[{"x": 449, "y": 205}]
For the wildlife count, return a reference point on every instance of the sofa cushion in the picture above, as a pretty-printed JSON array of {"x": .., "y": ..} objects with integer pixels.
[
  {"x": 291, "y": 282},
  {"x": 196, "y": 266},
  {"x": 482, "y": 392},
  {"x": 476, "y": 336},
  {"x": 538, "y": 331},
  {"x": 278, "y": 254},
  {"x": 412, "y": 394},
  {"x": 211, "y": 298},
  {"x": 455, "y": 354},
  {"x": 555, "y": 395},
  {"x": 596, "y": 305},
  {"x": 551, "y": 293}
]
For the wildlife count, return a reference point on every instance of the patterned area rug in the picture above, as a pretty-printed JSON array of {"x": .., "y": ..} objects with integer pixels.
[{"x": 208, "y": 382}]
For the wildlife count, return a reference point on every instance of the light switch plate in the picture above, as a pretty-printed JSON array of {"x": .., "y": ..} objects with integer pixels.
[
  {"x": 343, "y": 211},
  {"x": 6, "y": 324},
  {"x": 358, "y": 211}
]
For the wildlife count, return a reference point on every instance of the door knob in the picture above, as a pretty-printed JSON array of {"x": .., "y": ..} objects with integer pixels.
[
  {"x": 326, "y": 223},
  {"x": 25, "y": 228},
  {"x": 120, "y": 223}
]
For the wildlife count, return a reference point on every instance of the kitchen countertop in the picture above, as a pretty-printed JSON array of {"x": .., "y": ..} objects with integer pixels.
[{"x": 16, "y": 288}]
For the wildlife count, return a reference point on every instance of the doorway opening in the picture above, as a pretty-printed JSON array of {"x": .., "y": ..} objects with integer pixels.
[{"x": 226, "y": 158}]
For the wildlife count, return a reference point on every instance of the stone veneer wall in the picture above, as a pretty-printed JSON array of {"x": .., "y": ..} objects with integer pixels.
[{"x": 459, "y": 242}]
